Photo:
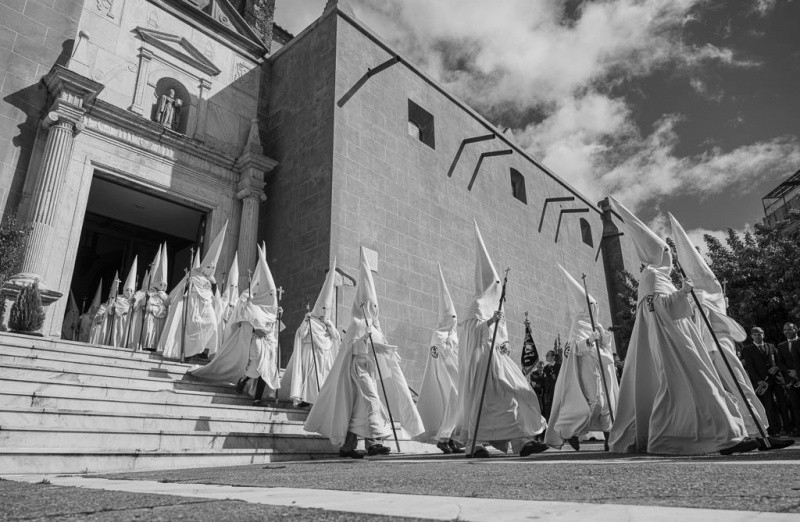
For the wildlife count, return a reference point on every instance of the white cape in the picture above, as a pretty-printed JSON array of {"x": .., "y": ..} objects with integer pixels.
[
  {"x": 510, "y": 407},
  {"x": 579, "y": 400},
  {"x": 331, "y": 414},
  {"x": 438, "y": 395},
  {"x": 201, "y": 320},
  {"x": 671, "y": 399},
  {"x": 302, "y": 377}
]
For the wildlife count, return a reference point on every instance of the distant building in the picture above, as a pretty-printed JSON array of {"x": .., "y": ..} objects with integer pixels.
[{"x": 781, "y": 200}]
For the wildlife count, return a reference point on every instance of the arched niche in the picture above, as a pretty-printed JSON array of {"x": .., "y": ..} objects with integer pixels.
[{"x": 182, "y": 102}]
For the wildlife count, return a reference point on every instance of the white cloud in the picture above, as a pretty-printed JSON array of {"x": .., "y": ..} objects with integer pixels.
[{"x": 529, "y": 56}]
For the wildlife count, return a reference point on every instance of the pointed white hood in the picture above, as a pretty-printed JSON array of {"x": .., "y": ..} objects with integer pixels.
[
  {"x": 98, "y": 296},
  {"x": 130, "y": 282},
  {"x": 263, "y": 285},
  {"x": 158, "y": 277},
  {"x": 72, "y": 306},
  {"x": 209, "y": 264},
  {"x": 232, "y": 286},
  {"x": 323, "y": 307},
  {"x": 448, "y": 319},
  {"x": 368, "y": 297},
  {"x": 581, "y": 323},
  {"x": 651, "y": 249},
  {"x": 487, "y": 283},
  {"x": 706, "y": 286},
  {"x": 145, "y": 281},
  {"x": 114, "y": 290}
]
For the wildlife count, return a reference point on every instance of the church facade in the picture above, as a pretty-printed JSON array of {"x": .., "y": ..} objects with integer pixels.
[{"x": 161, "y": 120}]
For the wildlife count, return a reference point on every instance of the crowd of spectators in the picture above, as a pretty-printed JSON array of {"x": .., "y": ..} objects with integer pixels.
[{"x": 774, "y": 372}]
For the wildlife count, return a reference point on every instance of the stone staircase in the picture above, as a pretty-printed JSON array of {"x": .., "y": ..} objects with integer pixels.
[{"x": 68, "y": 407}]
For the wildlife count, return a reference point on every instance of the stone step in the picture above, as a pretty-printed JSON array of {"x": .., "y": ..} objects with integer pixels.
[
  {"x": 261, "y": 423},
  {"x": 156, "y": 380},
  {"x": 244, "y": 411},
  {"x": 97, "y": 355},
  {"x": 115, "y": 393},
  {"x": 17, "y": 340},
  {"x": 108, "y": 368},
  {"x": 73, "y": 460},
  {"x": 157, "y": 440}
]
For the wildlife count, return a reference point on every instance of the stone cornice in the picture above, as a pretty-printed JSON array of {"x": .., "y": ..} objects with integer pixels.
[
  {"x": 129, "y": 127},
  {"x": 72, "y": 93},
  {"x": 252, "y": 160},
  {"x": 189, "y": 55}
]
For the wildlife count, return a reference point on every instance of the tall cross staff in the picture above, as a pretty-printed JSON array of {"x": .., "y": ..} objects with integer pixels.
[
  {"x": 488, "y": 364},
  {"x": 313, "y": 350},
  {"x": 597, "y": 347},
  {"x": 187, "y": 290},
  {"x": 279, "y": 292},
  {"x": 380, "y": 376},
  {"x": 761, "y": 431}
]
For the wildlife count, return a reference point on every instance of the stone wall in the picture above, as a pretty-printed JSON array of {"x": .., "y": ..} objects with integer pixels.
[
  {"x": 392, "y": 194},
  {"x": 34, "y": 35},
  {"x": 295, "y": 219}
]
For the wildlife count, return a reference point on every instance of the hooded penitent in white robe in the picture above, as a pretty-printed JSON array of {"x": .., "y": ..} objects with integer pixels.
[
  {"x": 579, "y": 400},
  {"x": 511, "y": 408},
  {"x": 201, "y": 320},
  {"x": 230, "y": 297},
  {"x": 86, "y": 330},
  {"x": 69, "y": 328},
  {"x": 352, "y": 398},
  {"x": 155, "y": 302},
  {"x": 100, "y": 319},
  {"x": 120, "y": 309},
  {"x": 728, "y": 331},
  {"x": 316, "y": 344},
  {"x": 251, "y": 348},
  {"x": 138, "y": 307},
  {"x": 438, "y": 395},
  {"x": 671, "y": 398}
]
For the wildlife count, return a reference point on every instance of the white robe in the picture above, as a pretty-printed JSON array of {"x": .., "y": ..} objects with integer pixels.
[
  {"x": 727, "y": 379},
  {"x": 243, "y": 353},
  {"x": 510, "y": 408},
  {"x": 201, "y": 320},
  {"x": 155, "y": 316},
  {"x": 345, "y": 403},
  {"x": 120, "y": 311},
  {"x": 85, "y": 327},
  {"x": 301, "y": 375},
  {"x": 99, "y": 331},
  {"x": 438, "y": 395},
  {"x": 579, "y": 400},
  {"x": 671, "y": 398}
]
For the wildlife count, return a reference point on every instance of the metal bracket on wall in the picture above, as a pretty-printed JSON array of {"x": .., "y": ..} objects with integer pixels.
[
  {"x": 547, "y": 202},
  {"x": 600, "y": 246},
  {"x": 567, "y": 211},
  {"x": 369, "y": 74},
  {"x": 480, "y": 160},
  {"x": 464, "y": 143}
]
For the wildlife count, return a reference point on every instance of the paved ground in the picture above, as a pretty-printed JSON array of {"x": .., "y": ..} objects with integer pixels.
[{"x": 766, "y": 482}]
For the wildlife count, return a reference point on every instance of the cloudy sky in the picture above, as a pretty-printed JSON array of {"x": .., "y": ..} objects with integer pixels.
[{"x": 691, "y": 106}]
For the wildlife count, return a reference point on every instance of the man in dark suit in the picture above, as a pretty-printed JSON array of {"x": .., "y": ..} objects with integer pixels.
[
  {"x": 759, "y": 362},
  {"x": 788, "y": 360}
]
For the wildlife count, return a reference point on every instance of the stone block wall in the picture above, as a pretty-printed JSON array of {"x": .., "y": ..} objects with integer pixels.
[
  {"x": 295, "y": 219},
  {"x": 392, "y": 194},
  {"x": 34, "y": 35}
]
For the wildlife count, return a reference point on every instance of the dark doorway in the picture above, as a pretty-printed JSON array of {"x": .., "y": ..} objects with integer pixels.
[{"x": 122, "y": 223}]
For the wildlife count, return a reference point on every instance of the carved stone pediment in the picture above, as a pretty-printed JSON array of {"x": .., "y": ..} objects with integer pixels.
[{"x": 178, "y": 47}]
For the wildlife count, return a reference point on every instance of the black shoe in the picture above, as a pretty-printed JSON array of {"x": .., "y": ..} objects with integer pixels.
[
  {"x": 480, "y": 453},
  {"x": 605, "y": 446},
  {"x": 351, "y": 454},
  {"x": 444, "y": 446},
  {"x": 303, "y": 405},
  {"x": 575, "y": 442},
  {"x": 455, "y": 447},
  {"x": 532, "y": 447},
  {"x": 774, "y": 443},
  {"x": 743, "y": 447},
  {"x": 378, "y": 449},
  {"x": 240, "y": 385}
]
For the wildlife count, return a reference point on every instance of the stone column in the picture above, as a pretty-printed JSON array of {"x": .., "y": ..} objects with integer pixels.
[
  {"x": 45, "y": 197},
  {"x": 145, "y": 57},
  {"x": 72, "y": 95},
  {"x": 252, "y": 165}
]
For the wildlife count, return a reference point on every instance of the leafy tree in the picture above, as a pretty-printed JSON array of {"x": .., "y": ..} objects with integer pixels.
[
  {"x": 27, "y": 313},
  {"x": 761, "y": 272},
  {"x": 13, "y": 236}
]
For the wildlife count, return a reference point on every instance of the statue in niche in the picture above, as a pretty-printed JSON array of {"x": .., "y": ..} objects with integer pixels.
[{"x": 168, "y": 109}]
